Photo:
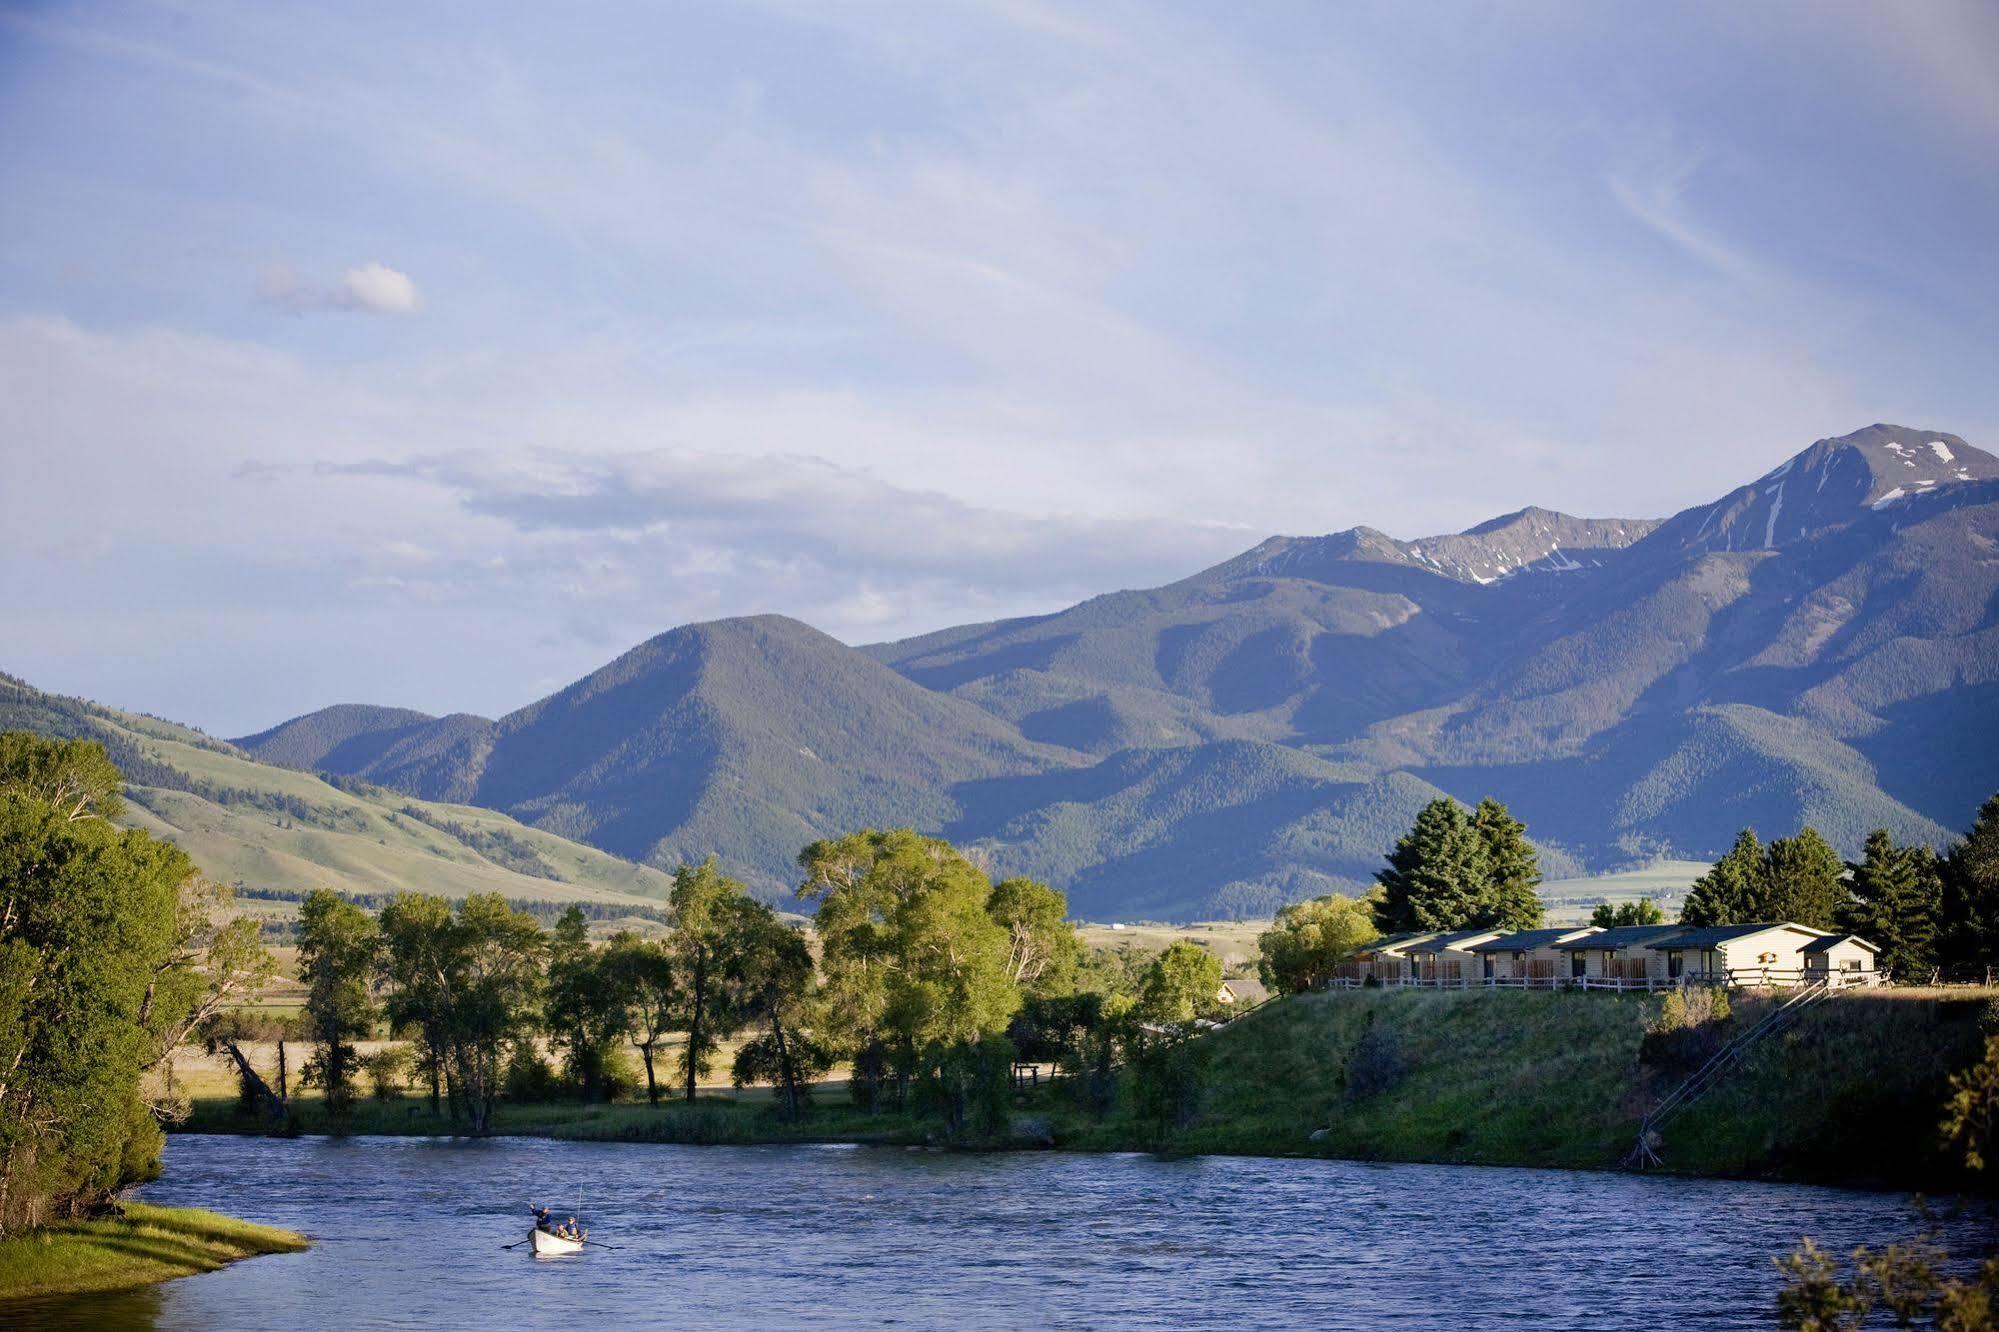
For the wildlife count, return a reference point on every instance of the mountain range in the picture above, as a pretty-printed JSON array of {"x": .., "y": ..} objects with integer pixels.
[{"x": 1820, "y": 645}]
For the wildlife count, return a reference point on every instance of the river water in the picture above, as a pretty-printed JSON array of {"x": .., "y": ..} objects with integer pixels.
[{"x": 408, "y": 1234}]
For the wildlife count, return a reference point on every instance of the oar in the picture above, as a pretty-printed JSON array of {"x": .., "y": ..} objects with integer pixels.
[
  {"x": 517, "y": 1243},
  {"x": 596, "y": 1245}
]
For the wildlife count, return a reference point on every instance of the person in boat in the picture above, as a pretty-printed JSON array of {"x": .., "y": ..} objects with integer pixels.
[{"x": 543, "y": 1221}]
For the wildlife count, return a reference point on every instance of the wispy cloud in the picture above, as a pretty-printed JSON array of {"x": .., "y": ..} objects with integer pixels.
[{"x": 1655, "y": 194}]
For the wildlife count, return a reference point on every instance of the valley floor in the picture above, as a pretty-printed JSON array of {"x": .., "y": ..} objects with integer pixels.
[
  {"x": 145, "y": 1245},
  {"x": 1851, "y": 1095}
]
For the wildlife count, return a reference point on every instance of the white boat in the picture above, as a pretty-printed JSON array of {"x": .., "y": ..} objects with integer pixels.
[{"x": 547, "y": 1241}]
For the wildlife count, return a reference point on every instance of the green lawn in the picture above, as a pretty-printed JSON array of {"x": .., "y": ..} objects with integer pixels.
[{"x": 145, "y": 1245}]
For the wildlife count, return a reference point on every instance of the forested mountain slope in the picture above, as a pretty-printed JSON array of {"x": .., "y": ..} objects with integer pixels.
[{"x": 1820, "y": 645}]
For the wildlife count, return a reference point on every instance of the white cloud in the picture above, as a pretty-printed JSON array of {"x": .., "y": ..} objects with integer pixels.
[{"x": 370, "y": 288}]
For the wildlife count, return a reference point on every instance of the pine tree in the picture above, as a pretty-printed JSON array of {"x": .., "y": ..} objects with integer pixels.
[
  {"x": 1437, "y": 875},
  {"x": 1970, "y": 914},
  {"x": 1894, "y": 901},
  {"x": 1513, "y": 871},
  {"x": 1804, "y": 881},
  {"x": 1731, "y": 892}
]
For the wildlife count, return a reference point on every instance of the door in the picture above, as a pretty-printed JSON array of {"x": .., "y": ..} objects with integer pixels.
[
  {"x": 1488, "y": 966},
  {"x": 1673, "y": 966},
  {"x": 1578, "y": 965}
]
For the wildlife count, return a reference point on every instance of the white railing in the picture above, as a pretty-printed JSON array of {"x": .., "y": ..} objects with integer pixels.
[{"x": 1739, "y": 978}]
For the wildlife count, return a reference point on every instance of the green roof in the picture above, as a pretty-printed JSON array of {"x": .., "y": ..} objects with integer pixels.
[
  {"x": 1623, "y": 936},
  {"x": 1526, "y": 940}
]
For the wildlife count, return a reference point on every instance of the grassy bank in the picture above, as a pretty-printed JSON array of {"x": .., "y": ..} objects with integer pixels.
[
  {"x": 145, "y": 1245},
  {"x": 1852, "y": 1094}
]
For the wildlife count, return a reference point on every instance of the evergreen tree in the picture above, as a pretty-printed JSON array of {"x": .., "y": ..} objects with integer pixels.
[
  {"x": 1894, "y": 900},
  {"x": 1970, "y": 916},
  {"x": 1803, "y": 882},
  {"x": 1732, "y": 891},
  {"x": 1510, "y": 900},
  {"x": 1437, "y": 875}
]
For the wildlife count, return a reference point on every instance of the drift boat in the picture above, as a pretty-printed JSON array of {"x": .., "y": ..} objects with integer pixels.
[{"x": 547, "y": 1241}]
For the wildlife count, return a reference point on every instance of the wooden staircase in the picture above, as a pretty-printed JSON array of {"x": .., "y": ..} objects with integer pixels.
[{"x": 1646, "y": 1152}]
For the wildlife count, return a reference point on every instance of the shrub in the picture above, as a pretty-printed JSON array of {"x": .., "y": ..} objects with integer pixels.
[{"x": 1375, "y": 1064}]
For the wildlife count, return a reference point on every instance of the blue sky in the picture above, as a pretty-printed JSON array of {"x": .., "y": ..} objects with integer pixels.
[{"x": 431, "y": 355}]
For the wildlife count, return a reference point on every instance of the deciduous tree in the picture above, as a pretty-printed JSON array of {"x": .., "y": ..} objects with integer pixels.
[
  {"x": 1183, "y": 983},
  {"x": 1304, "y": 947},
  {"x": 338, "y": 947}
]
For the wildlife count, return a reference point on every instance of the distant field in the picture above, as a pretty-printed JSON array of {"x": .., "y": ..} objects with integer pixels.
[
  {"x": 1234, "y": 941},
  {"x": 1569, "y": 901}
]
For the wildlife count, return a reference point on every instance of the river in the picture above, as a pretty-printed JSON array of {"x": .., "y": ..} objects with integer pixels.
[{"x": 408, "y": 1234}]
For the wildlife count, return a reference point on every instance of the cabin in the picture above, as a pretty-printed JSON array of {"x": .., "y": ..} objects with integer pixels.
[
  {"x": 1761, "y": 954},
  {"x": 1842, "y": 959},
  {"x": 1622, "y": 955},
  {"x": 1529, "y": 957},
  {"x": 1244, "y": 992},
  {"x": 1385, "y": 961},
  {"x": 1447, "y": 960}
]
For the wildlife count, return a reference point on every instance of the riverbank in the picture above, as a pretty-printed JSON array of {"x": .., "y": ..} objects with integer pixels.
[
  {"x": 147, "y": 1244},
  {"x": 1851, "y": 1095}
]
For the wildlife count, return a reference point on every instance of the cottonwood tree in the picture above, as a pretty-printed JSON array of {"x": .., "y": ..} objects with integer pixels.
[
  {"x": 583, "y": 1006},
  {"x": 89, "y": 922},
  {"x": 769, "y": 974},
  {"x": 216, "y": 959},
  {"x": 338, "y": 946},
  {"x": 702, "y": 906},
  {"x": 914, "y": 962},
  {"x": 494, "y": 979},
  {"x": 643, "y": 973},
  {"x": 418, "y": 955},
  {"x": 1304, "y": 947},
  {"x": 1043, "y": 948},
  {"x": 1638, "y": 911},
  {"x": 1184, "y": 982}
]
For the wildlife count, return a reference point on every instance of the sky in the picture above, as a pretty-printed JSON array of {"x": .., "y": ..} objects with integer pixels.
[{"x": 432, "y": 355}]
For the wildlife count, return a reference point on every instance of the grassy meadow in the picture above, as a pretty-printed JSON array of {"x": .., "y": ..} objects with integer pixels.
[{"x": 144, "y": 1245}]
